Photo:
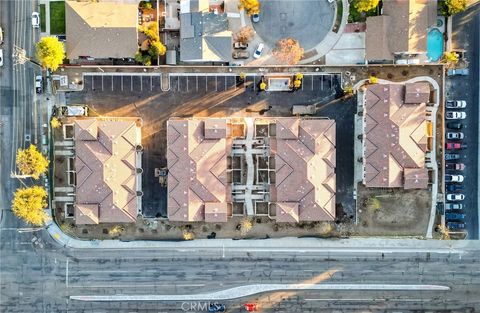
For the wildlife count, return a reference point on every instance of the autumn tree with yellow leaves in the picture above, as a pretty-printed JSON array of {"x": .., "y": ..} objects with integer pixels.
[
  {"x": 29, "y": 204},
  {"x": 250, "y": 6},
  {"x": 288, "y": 51},
  {"x": 31, "y": 162}
]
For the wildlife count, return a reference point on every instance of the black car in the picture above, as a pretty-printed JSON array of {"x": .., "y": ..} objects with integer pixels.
[
  {"x": 452, "y": 156},
  {"x": 454, "y": 188},
  {"x": 454, "y": 125},
  {"x": 216, "y": 307}
]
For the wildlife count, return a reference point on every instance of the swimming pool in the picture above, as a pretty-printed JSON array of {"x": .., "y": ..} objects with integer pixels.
[{"x": 434, "y": 44}]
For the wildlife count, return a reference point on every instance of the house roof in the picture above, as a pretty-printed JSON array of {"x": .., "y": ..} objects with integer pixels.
[
  {"x": 205, "y": 37},
  {"x": 395, "y": 136},
  {"x": 287, "y": 212},
  {"x": 197, "y": 169},
  {"x": 105, "y": 165},
  {"x": 101, "y": 29},
  {"x": 415, "y": 178},
  {"x": 305, "y": 169},
  {"x": 403, "y": 27},
  {"x": 417, "y": 92},
  {"x": 216, "y": 212}
]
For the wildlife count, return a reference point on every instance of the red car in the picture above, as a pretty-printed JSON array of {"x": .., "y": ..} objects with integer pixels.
[
  {"x": 251, "y": 307},
  {"x": 455, "y": 146}
]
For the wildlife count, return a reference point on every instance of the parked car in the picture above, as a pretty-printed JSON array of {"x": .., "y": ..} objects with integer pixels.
[
  {"x": 240, "y": 45},
  {"x": 455, "y": 166},
  {"x": 251, "y": 307},
  {"x": 453, "y": 178},
  {"x": 456, "y": 225},
  {"x": 454, "y": 125},
  {"x": 454, "y": 188},
  {"x": 457, "y": 71},
  {"x": 455, "y": 146},
  {"x": 456, "y": 104},
  {"x": 455, "y": 197},
  {"x": 240, "y": 54},
  {"x": 255, "y": 18},
  {"x": 38, "y": 84},
  {"x": 74, "y": 110},
  {"x": 455, "y": 135},
  {"x": 1, "y": 57},
  {"x": 453, "y": 206},
  {"x": 216, "y": 307},
  {"x": 258, "y": 51},
  {"x": 36, "y": 20},
  {"x": 1, "y": 35},
  {"x": 451, "y": 156},
  {"x": 455, "y": 115},
  {"x": 455, "y": 216}
]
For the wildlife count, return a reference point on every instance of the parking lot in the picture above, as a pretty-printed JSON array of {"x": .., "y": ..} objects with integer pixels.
[
  {"x": 192, "y": 83},
  {"x": 469, "y": 155},
  {"x": 155, "y": 99}
]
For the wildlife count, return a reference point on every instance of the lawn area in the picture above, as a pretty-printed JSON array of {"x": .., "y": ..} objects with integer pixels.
[
  {"x": 57, "y": 18},
  {"x": 43, "y": 17}
]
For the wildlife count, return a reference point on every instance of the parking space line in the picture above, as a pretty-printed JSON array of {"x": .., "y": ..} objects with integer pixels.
[
  {"x": 206, "y": 83},
  {"x": 225, "y": 83},
  {"x": 141, "y": 83},
  {"x": 331, "y": 82},
  {"x": 111, "y": 77},
  {"x": 151, "y": 83},
  {"x": 187, "y": 83},
  {"x": 196, "y": 82},
  {"x": 235, "y": 82},
  {"x": 321, "y": 82},
  {"x": 254, "y": 83},
  {"x": 121, "y": 80},
  {"x": 93, "y": 84},
  {"x": 102, "y": 83},
  {"x": 216, "y": 83},
  {"x": 131, "y": 83},
  {"x": 312, "y": 81},
  {"x": 178, "y": 83},
  {"x": 302, "y": 87}
]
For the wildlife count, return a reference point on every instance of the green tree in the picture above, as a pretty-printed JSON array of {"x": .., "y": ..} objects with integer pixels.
[
  {"x": 29, "y": 204},
  {"x": 156, "y": 49},
  {"x": 50, "y": 52},
  {"x": 452, "y": 7},
  {"x": 31, "y": 162},
  {"x": 365, "y": 5},
  {"x": 151, "y": 31}
]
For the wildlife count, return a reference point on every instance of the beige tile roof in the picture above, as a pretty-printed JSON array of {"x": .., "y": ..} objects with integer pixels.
[
  {"x": 216, "y": 212},
  {"x": 101, "y": 29},
  {"x": 403, "y": 27},
  {"x": 105, "y": 166},
  {"x": 287, "y": 212},
  {"x": 305, "y": 168},
  {"x": 197, "y": 167},
  {"x": 395, "y": 136},
  {"x": 417, "y": 92},
  {"x": 415, "y": 178}
]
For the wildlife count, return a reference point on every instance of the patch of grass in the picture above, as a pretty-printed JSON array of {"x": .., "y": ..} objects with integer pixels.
[
  {"x": 57, "y": 18},
  {"x": 43, "y": 18}
]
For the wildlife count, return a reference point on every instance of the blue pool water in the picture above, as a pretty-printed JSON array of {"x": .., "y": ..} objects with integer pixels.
[{"x": 434, "y": 44}]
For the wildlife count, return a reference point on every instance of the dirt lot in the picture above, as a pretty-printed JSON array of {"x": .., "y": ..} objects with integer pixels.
[{"x": 388, "y": 212}]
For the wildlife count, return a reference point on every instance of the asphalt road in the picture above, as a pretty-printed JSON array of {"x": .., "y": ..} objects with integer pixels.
[{"x": 466, "y": 28}]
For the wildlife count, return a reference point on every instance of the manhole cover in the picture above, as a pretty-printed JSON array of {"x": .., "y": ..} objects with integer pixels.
[
  {"x": 283, "y": 16},
  {"x": 27, "y": 137}
]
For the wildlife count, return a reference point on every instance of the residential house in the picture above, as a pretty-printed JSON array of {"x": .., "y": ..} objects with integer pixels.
[
  {"x": 396, "y": 136},
  {"x": 108, "y": 170},
  {"x": 204, "y": 34},
  {"x": 283, "y": 168},
  {"x": 401, "y": 29},
  {"x": 101, "y": 30}
]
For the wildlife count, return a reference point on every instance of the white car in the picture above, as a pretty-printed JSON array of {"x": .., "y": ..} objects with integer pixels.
[
  {"x": 258, "y": 51},
  {"x": 1, "y": 57},
  {"x": 455, "y": 135},
  {"x": 455, "y": 115},
  {"x": 456, "y": 104},
  {"x": 36, "y": 20},
  {"x": 1, "y": 35},
  {"x": 454, "y": 178},
  {"x": 455, "y": 197}
]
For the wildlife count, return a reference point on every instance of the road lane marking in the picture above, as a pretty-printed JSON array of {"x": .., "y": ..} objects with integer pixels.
[
  {"x": 102, "y": 83},
  {"x": 93, "y": 83},
  {"x": 121, "y": 81},
  {"x": 151, "y": 83},
  {"x": 111, "y": 77},
  {"x": 196, "y": 82},
  {"x": 131, "y": 83},
  {"x": 136, "y": 285},
  {"x": 66, "y": 274}
]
